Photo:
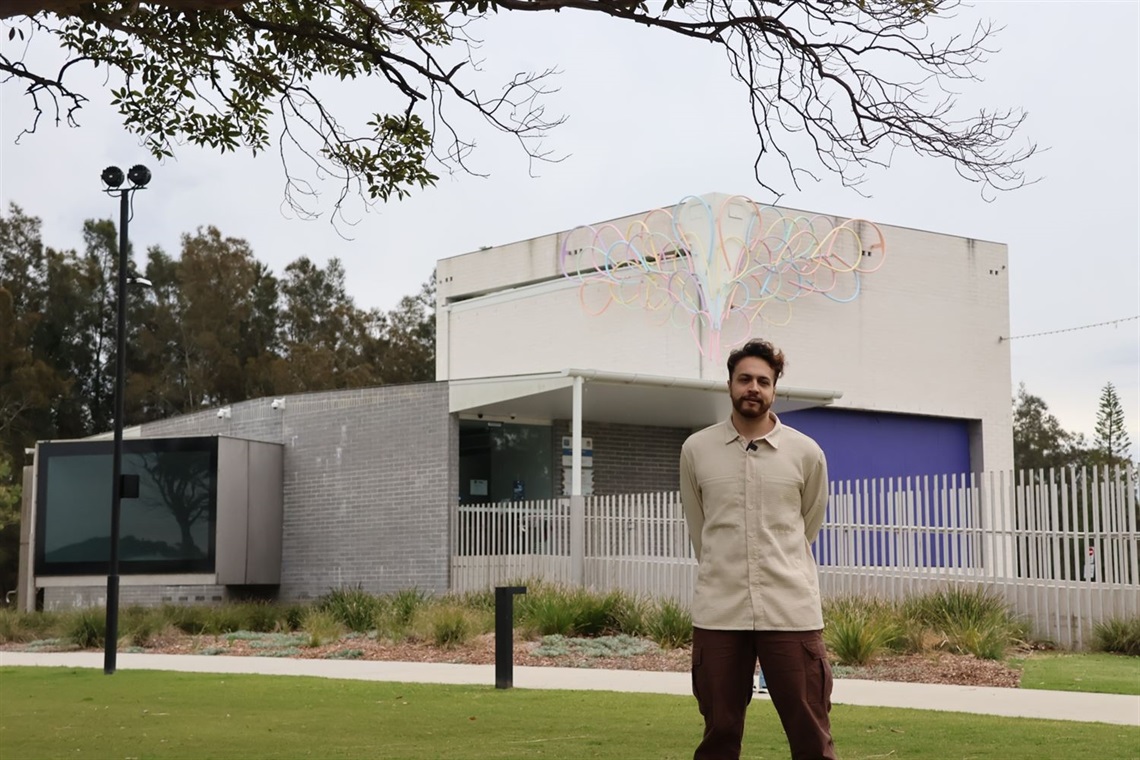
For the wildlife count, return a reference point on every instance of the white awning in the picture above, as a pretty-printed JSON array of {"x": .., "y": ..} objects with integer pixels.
[{"x": 613, "y": 397}]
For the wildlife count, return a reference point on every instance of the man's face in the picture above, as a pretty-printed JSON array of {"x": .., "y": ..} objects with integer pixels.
[{"x": 752, "y": 387}]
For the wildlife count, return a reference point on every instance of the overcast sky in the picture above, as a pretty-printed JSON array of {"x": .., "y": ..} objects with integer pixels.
[{"x": 653, "y": 119}]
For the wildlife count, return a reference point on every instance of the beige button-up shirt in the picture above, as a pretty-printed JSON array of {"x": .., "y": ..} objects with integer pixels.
[{"x": 752, "y": 516}]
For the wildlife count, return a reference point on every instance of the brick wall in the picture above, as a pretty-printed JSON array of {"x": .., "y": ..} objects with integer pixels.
[
  {"x": 369, "y": 476},
  {"x": 627, "y": 458},
  {"x": 67, "y": 597}
]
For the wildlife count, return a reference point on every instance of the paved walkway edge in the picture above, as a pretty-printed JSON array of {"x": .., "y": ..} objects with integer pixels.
[{"x": 1012, "y": 703}]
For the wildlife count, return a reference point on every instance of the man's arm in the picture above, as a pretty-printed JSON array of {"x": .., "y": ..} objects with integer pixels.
[
  {"x": 813, "y": 499},
  {"x": 691, "y": 501}
]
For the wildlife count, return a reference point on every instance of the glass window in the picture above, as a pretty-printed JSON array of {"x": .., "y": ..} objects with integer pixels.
[
  {"x": 500, "y": 461},
  {"x": 168, "y": 528}
]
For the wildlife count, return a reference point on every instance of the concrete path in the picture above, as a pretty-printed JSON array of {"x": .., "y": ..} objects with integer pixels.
[{"x": 1018, "y": 703}]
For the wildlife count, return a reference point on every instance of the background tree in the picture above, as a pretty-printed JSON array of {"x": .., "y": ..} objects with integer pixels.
[
  {"x": 410, "y": 333},
  {"x": 1039, "y": 441},
  {"x": 227, "y": 324},
  {"x": 1111, "y": 441},
  {"x": 326, "y": 340},
  {"x": 852, "y": 79}
]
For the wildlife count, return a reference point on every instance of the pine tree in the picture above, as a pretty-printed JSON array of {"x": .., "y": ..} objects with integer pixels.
[{"x": 1111, "y": 440}]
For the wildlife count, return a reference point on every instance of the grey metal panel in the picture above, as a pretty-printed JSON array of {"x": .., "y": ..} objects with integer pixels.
[
  {"x": 266, "y": 502},
  {"x": 232, "y": 531},
  {"x": 26, "y": 593}
]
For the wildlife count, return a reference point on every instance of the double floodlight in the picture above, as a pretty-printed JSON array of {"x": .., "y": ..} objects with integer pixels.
[{"x": 138, "y": 174}]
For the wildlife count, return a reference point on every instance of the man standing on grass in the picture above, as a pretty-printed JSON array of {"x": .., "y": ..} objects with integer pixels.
[{"x": 754, "y": 493}]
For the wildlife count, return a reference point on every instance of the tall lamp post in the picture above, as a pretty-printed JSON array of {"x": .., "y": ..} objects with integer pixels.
[{"x": 112, "y": 177}]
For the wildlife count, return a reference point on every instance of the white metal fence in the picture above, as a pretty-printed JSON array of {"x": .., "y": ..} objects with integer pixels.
[{"x": 1062, "y": 547}]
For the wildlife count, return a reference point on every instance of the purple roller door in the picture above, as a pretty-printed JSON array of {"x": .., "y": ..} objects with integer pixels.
[{"x": 878, "y": 445}]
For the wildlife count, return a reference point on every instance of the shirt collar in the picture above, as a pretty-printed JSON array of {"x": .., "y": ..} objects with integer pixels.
[{"x": 772, "y": 439}]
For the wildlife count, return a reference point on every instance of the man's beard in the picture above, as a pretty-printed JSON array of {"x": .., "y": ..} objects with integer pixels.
[{"x": 751, "y": 411}]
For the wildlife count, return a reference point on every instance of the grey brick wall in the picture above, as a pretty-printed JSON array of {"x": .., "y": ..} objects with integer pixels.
[
  {"x": 369, "y": 478},
  {"x": 67, "y": 597},
  {"x": 627, "y": 458}
]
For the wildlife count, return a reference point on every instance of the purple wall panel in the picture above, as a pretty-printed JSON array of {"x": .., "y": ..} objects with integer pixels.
[
  {"x": 861, "y": 445},
  {"x": 878, "y": 445}
]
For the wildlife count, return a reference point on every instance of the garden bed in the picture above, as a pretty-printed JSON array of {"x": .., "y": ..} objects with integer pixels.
[{"x": 936, "y": 667}]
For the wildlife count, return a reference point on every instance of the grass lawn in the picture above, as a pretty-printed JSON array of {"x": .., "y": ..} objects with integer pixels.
[
  {"x": 1104, "y": 673},
  {"x": 58, "y": 712}
]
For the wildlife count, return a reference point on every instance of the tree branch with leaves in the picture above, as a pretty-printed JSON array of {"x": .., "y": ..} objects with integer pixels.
[{"x": 856, "y": 79}]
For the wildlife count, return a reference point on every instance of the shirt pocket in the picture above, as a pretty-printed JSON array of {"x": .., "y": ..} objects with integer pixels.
[
  {"x": 781, "y": 505},
  {"x": 722, "y": 490}
]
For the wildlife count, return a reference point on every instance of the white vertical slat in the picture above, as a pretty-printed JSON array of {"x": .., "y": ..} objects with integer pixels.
[
  {"x": 1115, "y": 533},
  {"x": 1130, "y": 518},
  {"x": 1037, "y": 505},
  {"x": 640, "y": 549},
  {"x": 966, "y": 518},
  {"x": 1024, "y": 560},
  {"x": 1120, "y": 529},
  {"x": 909, "y": 520},
  {"x": 960, "y": 498},
  {"x": 1050, "y": 493},
  {"x": 1070, "y": 530},
  {"x": 1004, "y": 523},
  {"x": 893, "y": 494},
  {"x": 1091, "y": 508},
  {"x": 660, "y": 541},
  {"x": 1098, "y": 504},
  {"x": 949, "y": 531}
]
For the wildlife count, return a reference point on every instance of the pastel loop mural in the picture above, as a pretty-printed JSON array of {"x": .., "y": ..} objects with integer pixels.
[{"x": 719, "y": 269}]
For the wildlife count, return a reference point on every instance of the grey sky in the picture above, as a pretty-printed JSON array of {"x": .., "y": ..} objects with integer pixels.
[{"x": 653, "y": 119}]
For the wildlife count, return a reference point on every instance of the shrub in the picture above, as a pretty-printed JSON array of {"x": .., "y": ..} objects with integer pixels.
[
  {"x": 449, "y": 625},
  {"x": 957, "y": 603},
  {"x": 239, "y": 616},
  {"x": 969, "y": 621},
  {"x": 548, "y": 611},
  {"x": 395, "y": 616},
  {"x": 16, "y": 627},
  {"x": 670, "y": 625},
  {"x": 859, "y": 628},
  {"x": 988, "y": 640},
  {"x": 263, "y": 617},
  {"x": 292, "y": 615},
  {"x": 479, "y": 600},
  {"x": 354, "y": 607},
  {"x": 141, "y": 625},
  {"x": 321, "y": 627},
  {"x": 1118, "y": 635},
  {"x": 631, "y": 616},
  {"x": 22, "y": 627},
  {"x": 912, "y": 636},
  {"x": 194, "y": 620},
  {"x": 595, "y": 614},
  {"x": 87, "y": 628},
  {"x": 406, "y": 603}
]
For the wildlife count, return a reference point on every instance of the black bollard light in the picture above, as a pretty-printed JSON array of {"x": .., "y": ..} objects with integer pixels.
[{"x": 504, "y": 635}]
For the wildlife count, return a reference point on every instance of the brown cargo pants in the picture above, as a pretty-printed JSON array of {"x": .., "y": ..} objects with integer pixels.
[{"x": 799, "y": 682}]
